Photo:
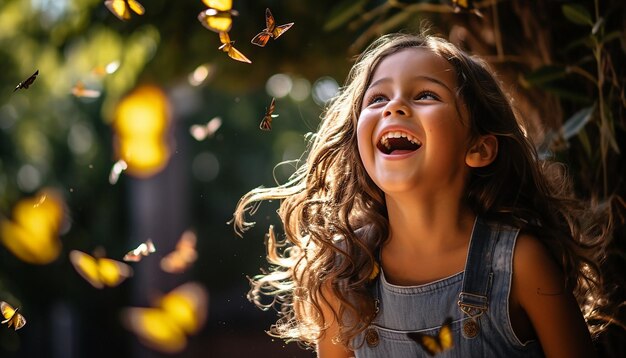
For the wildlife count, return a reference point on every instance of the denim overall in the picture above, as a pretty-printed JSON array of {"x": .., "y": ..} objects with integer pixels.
[{"x": 477, "y": 299}]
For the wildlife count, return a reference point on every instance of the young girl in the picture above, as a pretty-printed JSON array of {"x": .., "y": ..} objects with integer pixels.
[{"x": 422, "y": 202}]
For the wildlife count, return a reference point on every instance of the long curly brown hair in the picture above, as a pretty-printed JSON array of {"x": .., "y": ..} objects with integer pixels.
[{"x": 335, "y": 217}]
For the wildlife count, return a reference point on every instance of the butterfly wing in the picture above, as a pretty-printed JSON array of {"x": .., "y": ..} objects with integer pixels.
[
  {"x": 266, "y": 123},
  {"x": 437, "y": 344},
  {"x": 144, "y": 249},
  {"x": 7, "y": 311},
  {"x": 279, "y": 30},
  {"x": 221, "y": 5},
  {"x": 27, "y": 82},
  {"x": 445, "y": 335},
  {"x": 269, "y": 21},
  {"x": 18, "y": 321},
  {"x": 80, "y": 91},
  {"x": 112, "y": 272},
  {"x": 216, "y": 21},
  {"x": 261, "y": 38},
  {"x": 119, "y": 8},
  {"x": 136, "y": 7},
  {"x": 86, "y": 266},
  {"x": 236, "y": 55},
  {"x": 187, "y": 306},
  {"x": 185, "y": 253},
  {"x": 466, "y": 6},
  {"x": 155, "y": 329}
]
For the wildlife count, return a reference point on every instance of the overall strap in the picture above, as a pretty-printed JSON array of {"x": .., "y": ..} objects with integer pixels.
[{"x": 473, "y": 299}]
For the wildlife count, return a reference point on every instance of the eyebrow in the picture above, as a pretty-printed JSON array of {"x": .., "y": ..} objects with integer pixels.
[{"x": 419, "y": 78}]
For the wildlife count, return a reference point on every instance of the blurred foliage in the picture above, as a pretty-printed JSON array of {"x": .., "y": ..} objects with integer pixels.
[{"x": 562, "y": 61}]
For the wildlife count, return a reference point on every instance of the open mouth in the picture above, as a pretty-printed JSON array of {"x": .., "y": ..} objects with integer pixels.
[{"x": 398, "y": 143}]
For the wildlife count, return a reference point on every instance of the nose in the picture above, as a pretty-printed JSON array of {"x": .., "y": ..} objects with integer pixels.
[{"x": 396, "y": 107}]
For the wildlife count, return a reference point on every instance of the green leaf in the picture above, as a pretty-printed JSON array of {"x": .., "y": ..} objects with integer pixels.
[
  {"x": 342, "y": 13},
  {"x": 577, "y": 14},
  {"x": 575, "y": 123},
  {"x": 545, "y": 74},
  {"x": 566, "y": 93},
  {"x": 611, "y": 36}
]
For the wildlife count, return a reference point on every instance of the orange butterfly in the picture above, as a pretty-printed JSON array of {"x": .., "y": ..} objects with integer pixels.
[
  {"x": 183, "y": 256},
  {"x": 100, "y": 271},
  {"x": 218, "y": 17},
  {"x": 270, "y": 31},
  {"x": 227, "y": 46},
  {"x": 145, "y": 249},
  {"x": 79, "y": 90},
  {"x": 11, "y": 317},
  {"x": 266, "y": 123},
  {"x": 122, "y": 8},
  {"x": 27, "y": 82}
]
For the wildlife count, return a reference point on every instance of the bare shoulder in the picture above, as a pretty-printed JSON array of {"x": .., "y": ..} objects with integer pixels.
[
  {"x": 540, "y": 290},
  {"x": 533, "y": 262}
]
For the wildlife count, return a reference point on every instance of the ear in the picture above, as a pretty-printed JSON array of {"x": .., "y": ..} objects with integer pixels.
[{"x": 483, "y": 152}]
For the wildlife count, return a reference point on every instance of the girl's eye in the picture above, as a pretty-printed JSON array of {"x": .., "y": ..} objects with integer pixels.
[
  {"x": 376, "y": 98},
  {"x": 426, "y": 95}
]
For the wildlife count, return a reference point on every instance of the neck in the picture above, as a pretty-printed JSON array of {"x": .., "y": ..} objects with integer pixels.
[{"x": 428, "y": 224}]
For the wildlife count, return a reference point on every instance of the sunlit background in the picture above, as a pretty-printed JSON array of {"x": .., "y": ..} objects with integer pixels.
[{"x": 138, "y": 136}]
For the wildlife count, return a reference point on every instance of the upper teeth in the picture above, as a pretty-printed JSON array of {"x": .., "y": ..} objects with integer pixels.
[{"x": 397, "y": 134}]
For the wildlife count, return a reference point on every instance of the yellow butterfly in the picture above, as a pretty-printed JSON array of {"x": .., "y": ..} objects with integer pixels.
[
  {"x": 435, "y": 345},
  {"x": 27, "y": 82},
  {"x": 270, "y": 31},
  {"x": 183, "y": 256},
  {"x": 266, "y": 122},
  {"x": 33, "y": 233},
  {"x": 11, "y": 317},
  {"x": 100, "y": 271},
  {"x": 166, "y": 326},
  {"x": 144, "y": 249},
  {"x": 465, "y": 5},
  {"x": 122, "y": 8},
  {"x": 219, "y": 16},
  {"x": 375, "y": 271},
  {"x": 227, "y": 46}
]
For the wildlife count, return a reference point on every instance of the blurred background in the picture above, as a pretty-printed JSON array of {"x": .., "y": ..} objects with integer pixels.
[{"x": 143, "y": 129}]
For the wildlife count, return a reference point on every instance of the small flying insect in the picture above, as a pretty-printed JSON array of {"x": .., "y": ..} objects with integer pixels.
[
  {"x": 435, "y": 344},
  {"x": 465, "y": 6},
  {"x": 11, "y": 317},
  {"x": 219, "y": 16},
  {"x": 270, "y": 31},
  {"x": 122, "y": 8},
  {"x": 227, "y": 46},
  {"x": 27, "y": 82},
  {"x": 100, "y": 271},
  {"x": 202, "y": 131},
  {"x": 183, "y": 256},
  {"x": 144, "y": 249},
  {"x": 266, "y": 123},
  {"x": 79, "y": 90}
]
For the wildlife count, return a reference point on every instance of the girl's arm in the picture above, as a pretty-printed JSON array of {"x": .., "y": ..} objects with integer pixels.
[
  {"x": 539, "y": 290},
  {"x": 326, "y": 348}
]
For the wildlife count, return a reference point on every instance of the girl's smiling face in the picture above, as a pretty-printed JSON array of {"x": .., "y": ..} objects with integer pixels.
[{"x": 412, "y": 132}]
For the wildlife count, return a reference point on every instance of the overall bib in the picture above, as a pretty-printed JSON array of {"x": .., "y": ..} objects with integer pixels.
[{"x": 476, "y": 299}]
